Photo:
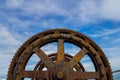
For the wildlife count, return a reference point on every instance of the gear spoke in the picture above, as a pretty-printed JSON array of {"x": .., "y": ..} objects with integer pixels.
[
  {"x": 86, "y": 75},
  {"x": 48, "y": 62},
  {"x": 60, "y": 55},
  {"x": 35, "y": 74},
  {"x": 76, "y": 58}
]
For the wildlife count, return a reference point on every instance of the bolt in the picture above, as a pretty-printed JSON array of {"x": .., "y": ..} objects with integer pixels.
[{"x": 60, "y": 75}]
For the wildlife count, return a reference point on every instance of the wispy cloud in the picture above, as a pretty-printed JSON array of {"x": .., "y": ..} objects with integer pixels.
[
  {"x": 116, "y": 41},
  {"x": 8, "y": 46},
  {"x": 81, "y": 12},
  {"x": 105, "y": 32},
  {"x": 38, "y": 8},
  {"x": 4, "y": 61},
  {"x": 112, "y": 53},
  {"x": 6, "y": 37},
  {"x": 20, "y": 19},
  {"x": 109, "y": 9}
]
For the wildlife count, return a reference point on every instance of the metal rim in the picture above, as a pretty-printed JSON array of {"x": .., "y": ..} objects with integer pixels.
[{"x": 65, "y": 72}]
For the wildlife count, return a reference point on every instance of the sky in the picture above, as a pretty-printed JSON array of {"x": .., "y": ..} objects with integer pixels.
[{"x": 21, "y": 19}]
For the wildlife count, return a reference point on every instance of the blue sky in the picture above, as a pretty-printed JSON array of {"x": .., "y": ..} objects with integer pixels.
[{"x": 21, "y": 19}]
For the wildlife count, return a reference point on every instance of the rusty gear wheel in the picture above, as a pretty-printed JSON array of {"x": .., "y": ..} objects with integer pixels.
[
  {"x": 40, "y": 65},
  {"x": 59, "y": 65}
]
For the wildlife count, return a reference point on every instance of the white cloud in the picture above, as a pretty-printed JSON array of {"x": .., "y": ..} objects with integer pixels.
[
  {"x": 114, "y": 63},
  {"x": 8, "y": 42},
  {"x": 39, "y": 8},
  {"x": 4, "y": 61},
  {"x": 105, "y": 32},
  {"x": 81, "y": 12},
  {"x": 87, "y": 11},
  {"x": 110, "y": 9},
  {"x": 94, "y": 10},
  {"x": 16, "y": 22},
  {"x": 116, "y": 41},
  {"x": 8, "y": 46},
  {"x": 14, "y": 3},
  {"x": 7, "y": 38}
]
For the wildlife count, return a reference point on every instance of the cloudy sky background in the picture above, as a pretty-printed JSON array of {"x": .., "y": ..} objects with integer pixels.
[{"x": 21, "y": 19}]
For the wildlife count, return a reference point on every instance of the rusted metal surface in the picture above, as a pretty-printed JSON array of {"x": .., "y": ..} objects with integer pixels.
[{"x": 59, "y": 65}]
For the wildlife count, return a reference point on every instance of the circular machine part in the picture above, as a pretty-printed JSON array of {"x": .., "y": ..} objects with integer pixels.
[
  {"x": 40, "y": 65},
  {"x": 59, "y": 67}
]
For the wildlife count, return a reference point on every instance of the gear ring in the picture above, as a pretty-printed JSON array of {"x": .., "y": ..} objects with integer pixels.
[
  {"x": 101, "y": 64},
  {"x": 40, "y": 65}
]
